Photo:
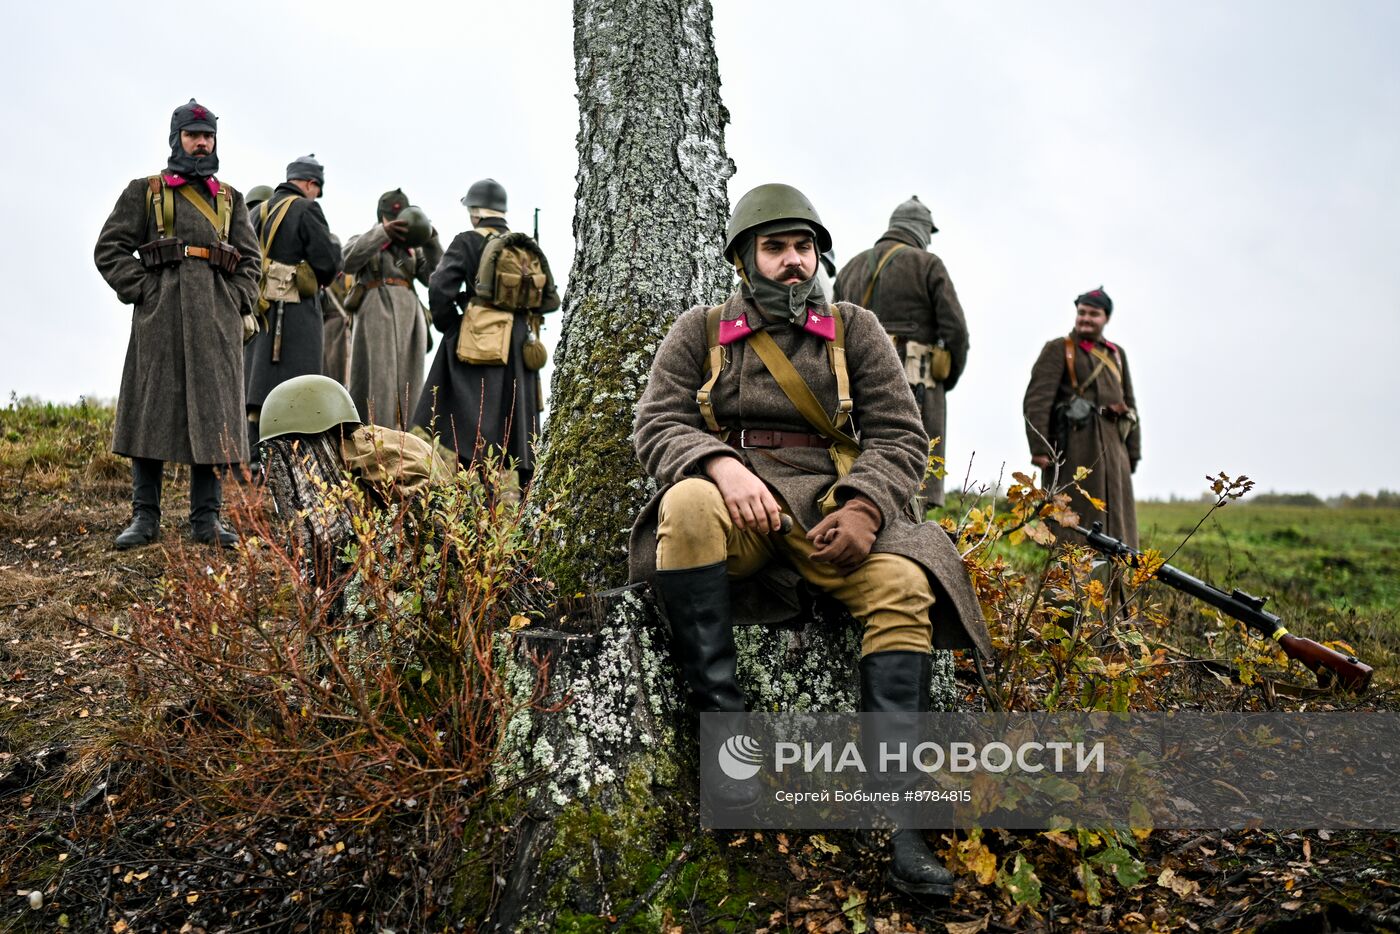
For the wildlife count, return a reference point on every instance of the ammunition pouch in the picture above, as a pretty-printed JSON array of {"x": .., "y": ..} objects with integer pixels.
[
  {"x": 926, "y": 364},
  {"x": 484, "y": 337},
  {"x": 224, "y": 257},
  {"x": 162, "y": 252}
]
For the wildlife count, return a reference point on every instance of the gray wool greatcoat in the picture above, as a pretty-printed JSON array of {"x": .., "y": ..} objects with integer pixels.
[
  {"x": 1097, "y": 446},
  {"x": 390, "y": 336},
  {"x": 915, "y": 300},
  {"x": 672, "y": 443},
  {"x": 181, "y": 395}
]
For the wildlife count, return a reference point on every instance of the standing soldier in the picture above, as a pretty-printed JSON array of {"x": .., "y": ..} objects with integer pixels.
[
  {"x": 193, "y": 290},
  {"x": 390, "y": 334},
  {"x": 298, "y": 257},
  {"x": 909, "y": 290},
  {"x": 779, "y": 402},
  {"x": 1080, "y": 412},
  {"x": 473, "y": 405}
]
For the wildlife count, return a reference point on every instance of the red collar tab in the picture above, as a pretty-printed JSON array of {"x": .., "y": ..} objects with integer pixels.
[
  {"x": 175, "y": 181},
  {"x": 824, "y": 326},
  {"x": 736, "y": 330},
  {"x": 1089, "y": 346}
]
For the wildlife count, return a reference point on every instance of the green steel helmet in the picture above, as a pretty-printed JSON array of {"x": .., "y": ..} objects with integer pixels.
[
  {"x": 420, "y": 229},
  {"x": 257, "y": 195},
  {"x": 487, "y": 193},
  {"x": 305, "y": 405},
  {"x": 768, "y": 203}
]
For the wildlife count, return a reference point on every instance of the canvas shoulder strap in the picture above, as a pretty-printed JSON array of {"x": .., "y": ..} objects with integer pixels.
[
  {"x": 1073, "y": 377},
  {"x": 836, "y": 354},
  {"x": 874, "y": 276},
  {"x": 796, "y": 389},
  {"x": 269, "y": 230},
  {"x": 200, "y": 205},
  {"x": 160, "y": 204},
  {"x": 716, "y": 363}
]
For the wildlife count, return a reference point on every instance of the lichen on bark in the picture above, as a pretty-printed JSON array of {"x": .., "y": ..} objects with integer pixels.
[{"x": 651, "y": 209}]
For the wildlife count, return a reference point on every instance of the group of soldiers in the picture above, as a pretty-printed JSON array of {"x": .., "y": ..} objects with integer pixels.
[
  {"x": 234, "y": 298},
  {"x": 788, "y": 431}
]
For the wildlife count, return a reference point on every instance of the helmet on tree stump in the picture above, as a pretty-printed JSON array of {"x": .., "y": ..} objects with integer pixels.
[
  {"x": 766, "y": 204},
  {"x": 305, "y": 405}
]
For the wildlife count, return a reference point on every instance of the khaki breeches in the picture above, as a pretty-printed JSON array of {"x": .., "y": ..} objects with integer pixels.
[{"x": 889, "y": 594}]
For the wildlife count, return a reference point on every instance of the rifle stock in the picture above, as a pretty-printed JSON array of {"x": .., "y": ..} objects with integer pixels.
[{"x": 1331, "y": 667}]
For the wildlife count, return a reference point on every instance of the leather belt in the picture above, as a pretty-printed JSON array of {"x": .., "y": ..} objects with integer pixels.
[
  {"x": 376, "y": 283},
  {"x": 772, "y": 438},
  {"x": 202, "y": 252}
]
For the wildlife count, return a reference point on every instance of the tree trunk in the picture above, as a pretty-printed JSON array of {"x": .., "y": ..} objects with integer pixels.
[
  {"x": 651, "y": 210},
  {"x": 609, "y": 779}
]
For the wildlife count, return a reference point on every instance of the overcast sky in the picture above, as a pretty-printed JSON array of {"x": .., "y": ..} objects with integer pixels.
[{"x": 1230, "y": 173}]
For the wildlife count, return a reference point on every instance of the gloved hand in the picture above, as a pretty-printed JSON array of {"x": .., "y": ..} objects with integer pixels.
[
  {"x": 845, "y": 537},
  {"x": 250, "y": 327}
]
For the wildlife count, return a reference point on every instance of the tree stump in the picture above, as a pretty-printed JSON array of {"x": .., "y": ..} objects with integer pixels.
[
  {"x": 623, "y": 746},
  {"x": 300, "y": 473}
]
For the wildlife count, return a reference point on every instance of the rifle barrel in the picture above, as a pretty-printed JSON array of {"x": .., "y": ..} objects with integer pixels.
[{"x": 1331, "y": 667}]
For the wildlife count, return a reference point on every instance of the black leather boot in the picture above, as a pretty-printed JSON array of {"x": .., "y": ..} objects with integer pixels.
[
  {"x": 145, "y": 504},
  {"x": 205, "y": 503},
  {"x": 900, "y": 682},
  {"x": 696, "y": 603}
]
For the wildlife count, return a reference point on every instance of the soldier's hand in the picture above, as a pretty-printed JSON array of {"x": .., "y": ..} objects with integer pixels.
[
  {"x": 845, "y": 537},
  {"x": 1042, "y": 461},
  {"x": 396, "y": 229},
  {"x": 750, "y": 503},
  {"x": 250, "y": 327}
]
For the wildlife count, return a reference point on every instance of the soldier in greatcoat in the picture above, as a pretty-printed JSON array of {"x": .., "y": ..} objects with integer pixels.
[
  {"x": 390, "y": 336},
  {"x": 911, "y": 293},
  {"x": 179, "y": 249},
  {"x": 730, "y": 468},
  {"x": 475, "y": 408},
  {"x": 301, "y": 257},
  {"x": 1080, "y": 411}
]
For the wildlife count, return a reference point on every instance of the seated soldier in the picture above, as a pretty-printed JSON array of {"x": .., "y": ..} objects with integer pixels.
[{"x": 735, "y": 441}]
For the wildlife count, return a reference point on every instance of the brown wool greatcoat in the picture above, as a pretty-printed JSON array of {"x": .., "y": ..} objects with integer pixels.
[
  {"x": 915, "y": 300},
  {"x": 181, "y": 395},
  {"x": 1096, "y": 446},
  {"x": 672, "y": 443}
]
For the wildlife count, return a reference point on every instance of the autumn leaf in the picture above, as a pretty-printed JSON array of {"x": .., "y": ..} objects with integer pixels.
[
  {"x": 1022, "y": 884},
  {"x": 968, "y": 927},
  {"x": 1183, "y": 887},
  {"x": 518, "y": 622},
  {"x": 821, "y": 843}
]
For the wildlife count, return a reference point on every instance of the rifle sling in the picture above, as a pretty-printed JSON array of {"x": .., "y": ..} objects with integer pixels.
[{"x": 874, "y": 276}]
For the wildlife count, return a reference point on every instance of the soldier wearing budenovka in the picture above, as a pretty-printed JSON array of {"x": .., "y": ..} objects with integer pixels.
[
  {"x": 909, "y": 290},
  {"x": 719, "y": 430},
  {"x": 193, "y": 289},
  {"x": 1080, "y": 410},
  {"x": 300, "y": 257},
  {"x": 390, "y": 334},
  {"x": 477, "y": 406}
]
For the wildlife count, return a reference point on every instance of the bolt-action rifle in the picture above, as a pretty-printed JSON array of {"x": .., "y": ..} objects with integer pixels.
[{"x": 1332, "y": 668}]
